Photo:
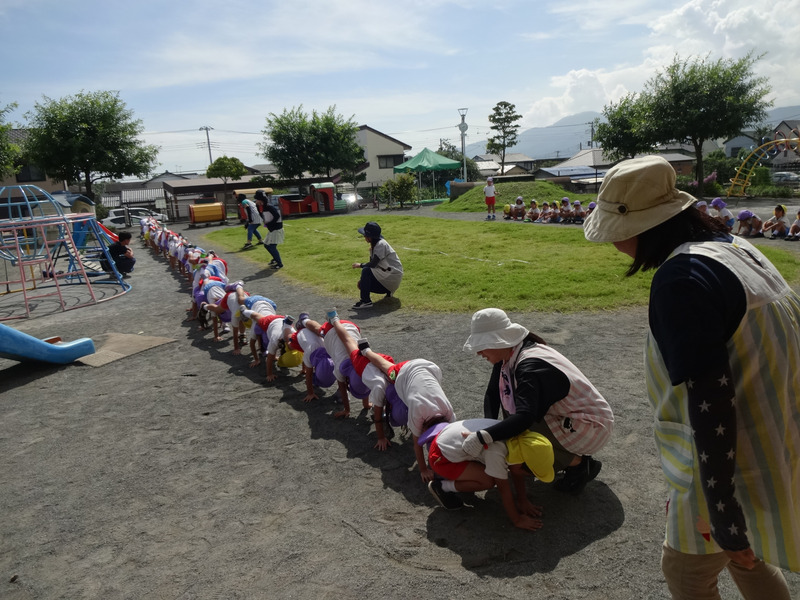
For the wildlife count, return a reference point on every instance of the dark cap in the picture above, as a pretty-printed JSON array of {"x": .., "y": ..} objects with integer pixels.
[{"x": 371, "y": 230}]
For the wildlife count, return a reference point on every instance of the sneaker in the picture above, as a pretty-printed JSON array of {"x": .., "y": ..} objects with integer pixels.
[
  {"x": 226, "y": 328},
  {"x": 332, "y": 315},
  {"x": 248, "y": 245},
  {"x": 575, "y": 478},
  {"x": 488, "y": 218},
  {"x": 362, "y": 304},
  {"x": 126, "y": 275},
  {"x": 494, "y": 217},
  {"x": 448, "y": 500},
  {"x": 276, "y": 266}
]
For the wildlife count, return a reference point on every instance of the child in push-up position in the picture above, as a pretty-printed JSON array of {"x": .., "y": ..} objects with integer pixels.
[{"x": 418, "y": 383}]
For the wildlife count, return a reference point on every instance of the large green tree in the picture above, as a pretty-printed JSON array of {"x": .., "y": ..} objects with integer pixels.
[
  {"x": 320, "y": 143},
  {"x": 86, "y": 138},
  {"x": 504, "y": 123},
  {"x": 9, "y": 152},
  {"x": 624, "y": 133},
  {"x": 694, "y": 100},
  {"x": 449, "y": 150},
  {"x": 226, "y": 167}
]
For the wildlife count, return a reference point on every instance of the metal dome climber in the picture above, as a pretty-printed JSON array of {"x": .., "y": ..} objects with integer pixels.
[
  {"x": 36, "y": 238},
  {"x": 741, "y": 181}
]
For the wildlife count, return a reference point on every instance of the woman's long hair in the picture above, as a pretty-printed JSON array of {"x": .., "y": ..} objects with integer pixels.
[{"x": 656, "y": 244}]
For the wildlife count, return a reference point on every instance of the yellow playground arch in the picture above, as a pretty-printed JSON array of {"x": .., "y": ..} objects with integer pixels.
[{"x": 740, "y": 183}]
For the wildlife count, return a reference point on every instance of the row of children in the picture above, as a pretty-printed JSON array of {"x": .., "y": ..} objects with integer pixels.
[
  {"x": 549, "y": 212},
  {"x": 751, "y": 225},
  {"x": 334, "y": 352}
]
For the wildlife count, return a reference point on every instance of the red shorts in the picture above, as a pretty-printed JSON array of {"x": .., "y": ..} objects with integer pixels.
[
  {"x": 489, "y": 200},
  {"x": 359, "y": 362},
  {"x": 442, "y": 466},
  {"x": 394, "y": 370}
]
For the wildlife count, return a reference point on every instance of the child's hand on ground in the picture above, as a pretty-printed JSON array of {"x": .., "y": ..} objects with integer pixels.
[
  {"x": 526, "y": 522},
  {"x": 254, "y": 363},
  {"x": 525, "y": 507},
  {"x": 382, "y": 444},
  {"x": 236, "y": 351},
  {"x": 272, "y": 377},
  {"x": 342, "y": 414},
  {"x": 310, "y": 396},
  {"x": 426, "y": 474}
]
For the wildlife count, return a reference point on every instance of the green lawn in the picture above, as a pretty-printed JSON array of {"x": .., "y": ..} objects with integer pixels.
[
  {"x": 541, "y": 191},
  {"x": 462, "y": 266}
]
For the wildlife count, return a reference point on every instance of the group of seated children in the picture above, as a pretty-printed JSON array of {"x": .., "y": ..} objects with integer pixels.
[
  {"x": 750, "y": 225},
  {"x": 549, "y": 212},
  {"x": 777, "y": 226}
]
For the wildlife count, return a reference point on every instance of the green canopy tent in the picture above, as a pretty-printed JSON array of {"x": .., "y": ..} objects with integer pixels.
[{"x": 428, "y": 160}]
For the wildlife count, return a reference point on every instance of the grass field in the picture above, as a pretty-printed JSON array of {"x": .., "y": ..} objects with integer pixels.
[
  {"x": 463, "y": 266},
  {"x": 541, "y": 191}
]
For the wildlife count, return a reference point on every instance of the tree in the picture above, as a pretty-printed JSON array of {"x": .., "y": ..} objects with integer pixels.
[
  {"x": 318, "y": 144},
  {"x": 449, "y": 150},
  {"x": 695, "y": 100},
  {"x": 402, "y": 189},
  {"x": 86, "y": 138},
  {"x": 504, "y": 121},
  {"x": 226, "y": 168},
  {"x": 334, "y": 144},
  {"x": 9, "y": 152},
  {"x": 624, "y": 134}
]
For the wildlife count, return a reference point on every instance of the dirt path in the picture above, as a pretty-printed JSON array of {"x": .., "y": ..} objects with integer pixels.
[{"x": 178, "y": 473}]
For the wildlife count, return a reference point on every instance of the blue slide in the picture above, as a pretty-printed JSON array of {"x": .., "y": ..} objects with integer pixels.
[{"x": 16, "y": 345}]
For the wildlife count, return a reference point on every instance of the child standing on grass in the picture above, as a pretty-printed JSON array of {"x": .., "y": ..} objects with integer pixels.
[{"x": 490, "y": 195}]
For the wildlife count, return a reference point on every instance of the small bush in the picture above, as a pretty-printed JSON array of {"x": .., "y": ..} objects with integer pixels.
[
  {"x": 101, "y": 211},
  {"x": 769, "y": 191}
]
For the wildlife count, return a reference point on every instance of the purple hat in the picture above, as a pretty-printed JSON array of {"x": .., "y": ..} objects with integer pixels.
[
  {"x": 744, "y": 215},
  {"x": 565, "y": 200},
  {"x": 576, "y": 203},
  {"x": 718, "y": 203},
  {"x": 592, "y": 204}
]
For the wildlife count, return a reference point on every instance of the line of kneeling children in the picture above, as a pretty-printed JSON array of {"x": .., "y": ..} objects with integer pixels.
[{"x": 401, "y": 394}]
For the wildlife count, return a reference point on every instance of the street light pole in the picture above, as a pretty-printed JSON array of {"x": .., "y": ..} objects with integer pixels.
[{"x": 462, "y": 127}]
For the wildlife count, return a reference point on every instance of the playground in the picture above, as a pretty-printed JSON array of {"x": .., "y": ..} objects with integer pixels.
[{"x": 172, "y": 470}]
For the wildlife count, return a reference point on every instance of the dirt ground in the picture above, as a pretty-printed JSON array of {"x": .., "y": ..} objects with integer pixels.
[{"x": 179, "y": 473}]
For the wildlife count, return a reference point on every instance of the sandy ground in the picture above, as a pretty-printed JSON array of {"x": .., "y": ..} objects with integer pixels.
[{"x": 179, "y": 473}]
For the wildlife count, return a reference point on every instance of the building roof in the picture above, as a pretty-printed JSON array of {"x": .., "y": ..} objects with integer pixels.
[
  {"x": 388, "y": 137},
  {"x": 588, "y": 157}
]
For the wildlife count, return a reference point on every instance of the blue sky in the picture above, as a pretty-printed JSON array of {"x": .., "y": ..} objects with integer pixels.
[{"x": 401, "y": 68}]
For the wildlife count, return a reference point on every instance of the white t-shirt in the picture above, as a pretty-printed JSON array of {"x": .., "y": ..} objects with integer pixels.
[
  {"x": 376, "y": 381},
  {"x": 309, "y": 341},
  {"x": 488, "y": 191},
  {"x": 274, "y": 335},
  {"x": 389, "y": 271},
  {"x": 337, "y": 350},
  {"x": 418, "y": 385},
  {"x": 261, "y": 307},
  {"x": 451, "y": 444}
]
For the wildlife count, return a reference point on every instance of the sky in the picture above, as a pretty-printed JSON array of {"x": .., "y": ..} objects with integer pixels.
[{"x": 402, "y": 68}]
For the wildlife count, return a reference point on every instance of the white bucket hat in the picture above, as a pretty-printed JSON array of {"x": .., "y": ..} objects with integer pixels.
[
  {"x": 636, "y": 195},
  {"x": 492, "y": 329}
]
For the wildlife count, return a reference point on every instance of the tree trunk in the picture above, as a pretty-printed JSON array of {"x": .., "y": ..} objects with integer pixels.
[
  {"x": 698, "y": 153},
  {"x": 88, "y": 184}
]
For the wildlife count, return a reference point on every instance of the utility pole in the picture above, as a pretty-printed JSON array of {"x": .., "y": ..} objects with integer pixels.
[
  {"x": 206, "y": 128},
  {"x": 591, "y": 139}
]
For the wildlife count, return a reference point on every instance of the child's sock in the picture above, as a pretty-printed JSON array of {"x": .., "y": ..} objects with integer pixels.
[{"x": 449, "y": 486}]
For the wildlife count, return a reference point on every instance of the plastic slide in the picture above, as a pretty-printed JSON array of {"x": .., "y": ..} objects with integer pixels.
[
  {"x": 16, "y": 345},
  {"x": 110, "y": 234}
]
